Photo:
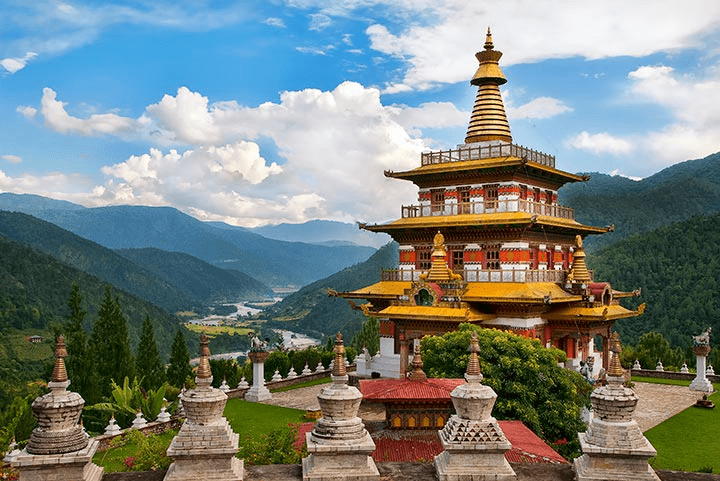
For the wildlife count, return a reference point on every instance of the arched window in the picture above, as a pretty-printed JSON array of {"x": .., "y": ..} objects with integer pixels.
[{"x": 423, "y": 298}]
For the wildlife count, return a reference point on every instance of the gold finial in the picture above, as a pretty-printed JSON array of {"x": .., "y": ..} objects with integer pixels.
[
  {"x": 417, "y": 373},
  {"x": 59, "y": 373},
  {"x": 615, "y": 369},
  {"x": 439, "y": 270},
  {"x": 473, "y": 368},
  {"x": 488, "y": 40},
  {"x": 203, "y": 371},
  {"x": 579, "y": 271},
  {"x": 488, "y": 120},
  {"x": 339, "y": 364}
]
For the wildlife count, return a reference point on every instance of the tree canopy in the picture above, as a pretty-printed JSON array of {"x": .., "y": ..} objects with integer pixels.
[{"x": 530, "y": 385}]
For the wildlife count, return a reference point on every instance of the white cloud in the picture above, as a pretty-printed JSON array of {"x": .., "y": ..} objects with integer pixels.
[
  {"x": 430, "y": 114},
  {"x": 315, "y": 50},
  {"x": 602, "y": 143},
  {"x": 185, "y": 118},
  {"x": 319, "y": 21},
  {"x": 13, "y": 159},
  {"x": 539, "y": 108},
  {"x": 58, "y": 119},
  {"x": 275, "y": 22},
  {"x": 27, "y": 111},
  {"x": 437, "y": 48},
  {"x": 12, "y": 65}
]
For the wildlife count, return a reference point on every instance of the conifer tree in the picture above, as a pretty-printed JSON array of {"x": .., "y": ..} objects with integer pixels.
[
  {"x": 110, "y": 345},
  {"x": 76, "y": 340},
  {"x": 148, "y": 365},
  {"x": 179, "y": 369}
]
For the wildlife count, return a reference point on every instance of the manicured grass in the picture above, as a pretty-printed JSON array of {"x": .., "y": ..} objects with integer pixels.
[
  {"x": 658, "y": 380},
  {"x": 256, "y": 419},
  {"x": 313, "y": 382},
  {"x": 688, "y": 441}
]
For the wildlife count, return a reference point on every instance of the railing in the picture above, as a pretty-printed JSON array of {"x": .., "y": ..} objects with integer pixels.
[
  {"x": 471, "y": 274},
  {"x": 488, "y": 207},
  {"x": 487, "y": 152}
]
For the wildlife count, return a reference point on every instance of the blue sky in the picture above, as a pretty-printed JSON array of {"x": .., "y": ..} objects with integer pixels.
[{"x": 260, "y": 112}]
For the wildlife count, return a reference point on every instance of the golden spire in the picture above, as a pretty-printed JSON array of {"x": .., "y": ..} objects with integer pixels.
[
  {"x": 439, "y": 270},
  {"x": 339, "y": 364},
  {"x": 473, "y": 368},
  {"x": 59, "y": 373},
  {"x": 417, "y": 373},
  {"x": 203, "y": 371},
  {"x": 579, "y": 271},
  {"x": 488, "y": 120},
  {"x": 614, "y": 368}
]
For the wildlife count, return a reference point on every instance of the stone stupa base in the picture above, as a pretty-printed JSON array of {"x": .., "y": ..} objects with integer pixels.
[
  {"x": 340, "y": 461},
  {"x": 75, "y": 466},
  {"x": 473, "y": 465},
  {"x": 701, "y": 385},
  {"x": 258, "y": 393},
  {"x": 601, "y": 463},
  {"x": 205, "y": 452}
]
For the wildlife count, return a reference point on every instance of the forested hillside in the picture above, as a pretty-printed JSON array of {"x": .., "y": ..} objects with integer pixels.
[
  {"x": 199, "y": 280},
  {"x": 35, "y": 288},
  {"x": 272, "y": 262},
  {"x": 311, "y": 311},
  {"x": 672, "y": 195},
  {"x": 677, "y": 267}
]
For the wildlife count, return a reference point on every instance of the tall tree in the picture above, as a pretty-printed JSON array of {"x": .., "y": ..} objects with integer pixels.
[
  {"x": 148, "y": 365},
  {"x": 110, "y": 345},
  {"x": 179, "y": 369},
  {"x": 76, "y": 339},
  {"x": 369, "y": 336}
]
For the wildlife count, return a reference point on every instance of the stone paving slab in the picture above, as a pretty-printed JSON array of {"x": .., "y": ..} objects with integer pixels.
[{"x": 658, "y": 402}]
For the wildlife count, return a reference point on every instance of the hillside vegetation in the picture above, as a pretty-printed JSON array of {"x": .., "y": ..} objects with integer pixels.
[
  {"x": 672, "y": 195},
  {"x": 676, "y": 267},
  {"x": 310, "y": 310}
]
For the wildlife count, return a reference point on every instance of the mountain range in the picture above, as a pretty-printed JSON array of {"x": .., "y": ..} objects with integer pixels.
[{"x": 270, "y": 261}]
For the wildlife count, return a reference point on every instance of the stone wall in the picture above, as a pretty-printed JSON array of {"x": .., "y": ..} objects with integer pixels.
[
  {"x": 154, "y": 427},
  {"x": 671, "y": 375}
]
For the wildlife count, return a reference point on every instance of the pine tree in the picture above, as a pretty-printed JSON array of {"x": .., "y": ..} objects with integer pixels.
[
  {"x": 179, "y": 369},
  {"x": 76, "y": 339},
  {"x": 110, "y": 345},
  {"x": 148, "y": 365}
]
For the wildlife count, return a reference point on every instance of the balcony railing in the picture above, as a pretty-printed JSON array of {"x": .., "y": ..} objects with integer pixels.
[
  {"x": 475, "y": 152},
  {"x": 471, "y": 274},
  {"x": 488, "y": 207}
]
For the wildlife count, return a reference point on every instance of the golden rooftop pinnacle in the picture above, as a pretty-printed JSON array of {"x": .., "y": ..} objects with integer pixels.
[
  {"x": 439, "y": 270},
  {"x": 579, "y": 271},
  {"x": 488, "y": 120},
  {"x": 417, "y": 373},
  {"x": 203, "y": 371},
  {"x": 59, "y": 373},
  {"x": 339, "y": 350}
]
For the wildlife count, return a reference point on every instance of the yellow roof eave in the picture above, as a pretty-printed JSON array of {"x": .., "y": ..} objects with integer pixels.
[
  {"x": 609, "y": 313},
  {"x": 518, "y": 292}
]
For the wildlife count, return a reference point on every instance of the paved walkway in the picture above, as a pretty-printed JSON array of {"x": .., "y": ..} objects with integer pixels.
[{"x": 657, "y": 402}]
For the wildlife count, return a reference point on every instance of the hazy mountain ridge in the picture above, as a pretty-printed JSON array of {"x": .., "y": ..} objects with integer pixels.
[
  {"x": 324, "y": 232},
  {"x": 270, "y": 261},
  {"x": 672, "y": 195},
  {"x": 313, "y": 312}
]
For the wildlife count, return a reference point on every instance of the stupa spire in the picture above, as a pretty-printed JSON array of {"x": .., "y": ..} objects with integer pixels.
[
  {"x": 417, "y": 373},
  {"x": 439, "y": 270},
  {"x": 203, "y": 370},
  {"x": 59, "y": 373},
  {"x": 579, "y": 271},
  {"x": 488, "y": 120}
]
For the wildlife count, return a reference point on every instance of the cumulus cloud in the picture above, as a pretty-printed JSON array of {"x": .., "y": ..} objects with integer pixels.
[
  {"x": 602, "y": 143},
  {"x": 27, "y": 111},
  {"x": 539, "y": 108},
  {"x": 12, "y": 65},
  {"x": 437, "y": 48},
  {"x": 319, "y": 21},
  {"x": 332, "y": 148},
  {"x": 275, "y": 22},
  {"x": 57, "y": 118},
  {"x": 13, "y": 159}
]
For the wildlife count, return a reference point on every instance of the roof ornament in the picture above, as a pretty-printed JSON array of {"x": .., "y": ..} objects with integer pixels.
[
  {"x": 579, "y": 271},
  {"x": 417, "y": 373},
  {"x": 439, "y": 270}
]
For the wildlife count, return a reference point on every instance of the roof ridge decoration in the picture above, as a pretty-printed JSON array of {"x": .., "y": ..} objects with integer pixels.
[
  {"x": 439, "y": 270},
  {"x": 488, "y": 120}
]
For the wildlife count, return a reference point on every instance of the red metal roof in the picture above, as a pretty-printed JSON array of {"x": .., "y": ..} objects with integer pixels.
[
  {"x": 424, "y": 445},
  {"x": 403, "y": 390}
]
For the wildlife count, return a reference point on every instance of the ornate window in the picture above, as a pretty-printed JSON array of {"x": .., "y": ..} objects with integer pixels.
[{"x": 491, "y": 257}]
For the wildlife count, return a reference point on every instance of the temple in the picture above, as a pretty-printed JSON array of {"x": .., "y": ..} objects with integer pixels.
[{"x": 487, "y": 243}]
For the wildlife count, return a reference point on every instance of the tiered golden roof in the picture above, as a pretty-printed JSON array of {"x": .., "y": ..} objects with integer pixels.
[{"x": 488, "y": 120}]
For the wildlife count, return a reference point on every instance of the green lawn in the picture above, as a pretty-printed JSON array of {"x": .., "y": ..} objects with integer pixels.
[
  {"x": 658, "y": 380},
  {"x": 688, "y": 441},
  {"x": 314, "y": 382},
  {"x": 256, "y": 419}
]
